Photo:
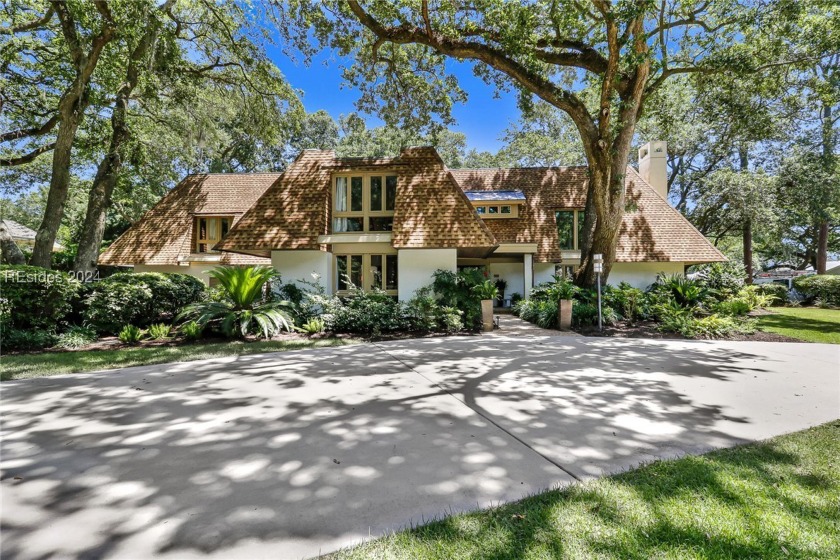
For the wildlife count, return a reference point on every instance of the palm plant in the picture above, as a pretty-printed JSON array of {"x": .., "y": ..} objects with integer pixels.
[{"x": 241, "y": 308}]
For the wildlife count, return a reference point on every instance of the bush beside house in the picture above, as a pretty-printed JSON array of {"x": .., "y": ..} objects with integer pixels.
[{"x": 822, "y": 289}]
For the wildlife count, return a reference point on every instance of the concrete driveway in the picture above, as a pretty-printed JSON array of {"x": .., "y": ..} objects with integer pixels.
[{"x": 288, "y": 455}]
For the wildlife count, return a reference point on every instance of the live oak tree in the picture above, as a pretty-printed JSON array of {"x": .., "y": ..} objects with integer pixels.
[
  {"x": 77, "y": 34},
  {"x": 598, "y": 61}
]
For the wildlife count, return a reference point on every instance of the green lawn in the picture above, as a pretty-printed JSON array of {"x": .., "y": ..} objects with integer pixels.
[
  {"x": 776, "y": 499},
  {"x": 810, "y": 324},
  {"x": 24, "y": 366}
]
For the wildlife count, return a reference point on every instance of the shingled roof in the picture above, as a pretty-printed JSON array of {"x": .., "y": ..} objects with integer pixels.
[
  {"x": 430, "y": 210},
  {"x": 292, "y": 213},
  {"x": 165, "y": 233},
  {"x": 651, "y": 229}
]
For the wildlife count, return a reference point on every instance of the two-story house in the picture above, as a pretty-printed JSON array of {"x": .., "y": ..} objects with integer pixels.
[{"x": 391, "y": 223}]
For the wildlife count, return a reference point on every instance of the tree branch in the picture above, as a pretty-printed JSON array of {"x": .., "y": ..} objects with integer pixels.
[
  {"x": 34, "y": 131},
  {"x": 26, "y": 158},
  {"x": 29, "y": 26}
]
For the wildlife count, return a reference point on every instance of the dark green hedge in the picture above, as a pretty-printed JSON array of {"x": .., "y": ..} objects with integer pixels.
[
  {"x": 823, "y": 287},
  {"x": 35, "y": 298}
]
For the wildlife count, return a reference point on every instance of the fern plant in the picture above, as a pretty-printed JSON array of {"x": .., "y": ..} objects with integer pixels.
[
  {"x": 130, "y": 334},
  {"x": 241, "y": 308},
  {"x": 159, "y": 331},
  {"x": 314, "y": 325},
  {"x": 191, "y": 330}
]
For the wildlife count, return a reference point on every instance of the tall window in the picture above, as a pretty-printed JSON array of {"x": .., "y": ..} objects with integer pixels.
[
  {"x": 364, "y": 202},
  {"x": 569, "y": 229},
  {"x": 209, "y": 231},
  {"x": 367, "y": 272}
]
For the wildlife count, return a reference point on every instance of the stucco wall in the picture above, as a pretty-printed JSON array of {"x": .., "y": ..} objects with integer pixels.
[
  {"x": 543, "y": 272},
  {"x": 642, "y": 274},
  {"x": 416, "y": 267},
  {"x": 512, "y": 273},
  {"x": 200, "y": 271},
  {"x": 295, "y": 266}
]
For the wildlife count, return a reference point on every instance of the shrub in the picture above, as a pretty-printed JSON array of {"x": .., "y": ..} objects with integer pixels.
[
  {"x": 628, "y": 301},
  {"x": 191, "y": 330},
  {"x": 422, "y": 313},
  {"x": 130, "y": 334},
  {"x": 455, "y": 289},
  {"x": 242, "y": 309},
  {"x": 685, "y": 292},
  {"x": 369, "y": 313},
  {"x": 777, "y": 293},
  {"x": 823, "y": 287},
  {"x": 734, "y": 306},
  {"x": 754, "y": 297},
  {"x": 724, "y": 278},
  {"x": 76, "y": 337},
  {"x": 450, "y": 320},
  {"x": 140, "y": 299},
  {"x": 584, "y": 314},
  {"x": 715, "y": 326},
  {"x": 21, "y": 340},
  {"x": 547, "y": 314},
  {"x": 315, "y": 325},
  {"x": 515, "y": 298},
  {"x": 676, "y": 319},
  {"x": 34, "y": 298},
  {"x": 159, "y": 331}
]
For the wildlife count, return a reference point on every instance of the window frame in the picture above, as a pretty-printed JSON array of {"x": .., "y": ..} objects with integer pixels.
[
  {"x": 209, "y": 241},
  {"x": 367, "y": 271},
  {"x": 577, "y": 222},
  {"x": 365, "y": 214}
]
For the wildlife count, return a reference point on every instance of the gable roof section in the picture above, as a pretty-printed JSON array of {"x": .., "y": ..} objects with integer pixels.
[
  {"x": 651, "y": 229},
  {"x": 291, "y": 214},
  {"x": 431, "y": 211},
  {"x": 164, "y": 233}
]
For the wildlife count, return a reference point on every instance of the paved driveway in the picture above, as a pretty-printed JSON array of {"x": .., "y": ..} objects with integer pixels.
[{"x": 285, "y": 455}]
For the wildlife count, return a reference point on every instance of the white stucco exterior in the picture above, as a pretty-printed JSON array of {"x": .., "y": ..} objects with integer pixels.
[
  {"x": 642, "y": 274},
  {"x": 512, "y": 273},
  {"x": 543, "y": 272},
  {"x": 416, "y": 267},
  {"x": 295, "y": 266},
  {"x": 200, "y": 271}
]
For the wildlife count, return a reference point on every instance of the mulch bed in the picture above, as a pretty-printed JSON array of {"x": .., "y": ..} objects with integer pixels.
[{"x": 647, "y": 329}]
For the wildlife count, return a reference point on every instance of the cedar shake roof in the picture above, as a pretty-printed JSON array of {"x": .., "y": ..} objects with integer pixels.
[
  {"x": 292, "y": 213},
  {"x": 165, "y": 232},
  {"x": 431, "y": 210},
  {"x": 651, "y": 229}
]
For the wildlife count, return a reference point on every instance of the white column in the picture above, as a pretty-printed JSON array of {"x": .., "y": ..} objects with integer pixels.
[{"x": 528, "y": 269}]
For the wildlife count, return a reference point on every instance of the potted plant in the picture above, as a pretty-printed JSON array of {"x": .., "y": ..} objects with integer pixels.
[
  {"x": 487, "y": 292},
  {"x": 563, "y": 292},
  {"x": 501, "y": 284}
]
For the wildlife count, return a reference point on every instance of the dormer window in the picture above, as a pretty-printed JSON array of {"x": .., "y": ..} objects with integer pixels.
[
  {"x": 364, "y": 202},
  {"x": 209, "y": 231}
]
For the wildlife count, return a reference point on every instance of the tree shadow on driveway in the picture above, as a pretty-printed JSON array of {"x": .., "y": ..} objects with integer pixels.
[{"x": 287, "y": 454}]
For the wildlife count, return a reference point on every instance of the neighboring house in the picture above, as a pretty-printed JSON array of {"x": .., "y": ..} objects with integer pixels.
[
  {"x": 24, "y": 236},
  {"x": 178, "y": 233},
  {"x": 832, "y": 267},
  {"x": 391, "y": 223}
]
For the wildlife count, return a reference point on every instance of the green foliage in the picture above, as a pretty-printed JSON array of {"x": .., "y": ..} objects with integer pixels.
[
  {"x": 822, "y": 287},
  {"x": 449, "y": 320},
  {"x": 586, "y": 315},
  {"x": 486, "y": 290},
  {"x": 369, "y": 313},
  {"x": 456, "y": 289},
  {"x": 627, "y": 301},
  {"x": 25, "y": 340},
  {"x": 35, "y": 298},
  {"x": 315, "y": 325},
  {"x": 242, "y": 308},
  {"x": 725, "y": 278},
  {"x": 542, "y": 312},
  {"x": 777, "y": 293},
  {"x": 715, "y": 326},
  {"x": 76, "y": 337},
  {"x": 191, "y": 330},
  {"x": 159, "y": 331},
  {"x": 140, "y": 299},
  {"x": 734, "y": 306},
  {"x": 130, "y": 334},
  {"x": 676, "y": 319},
  {"x": 686, "y": 292}
]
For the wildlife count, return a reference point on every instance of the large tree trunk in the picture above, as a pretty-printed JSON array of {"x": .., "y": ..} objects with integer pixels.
[
  {"x": 10, "y": 251},
  {"x": 828, "y": 155},
  {"x": 822, "y": 247},
  {"x": 109, "y": 168},
  {"x": 72, "y": 106},
  {"x": 747, "y": 226}
]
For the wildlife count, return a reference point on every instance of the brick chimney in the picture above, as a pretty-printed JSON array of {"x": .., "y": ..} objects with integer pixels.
[{"x": 653, "y": 166}]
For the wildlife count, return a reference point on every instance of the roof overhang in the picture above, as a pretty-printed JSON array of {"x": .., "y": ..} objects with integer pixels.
[{"x": 516, "y": 248}]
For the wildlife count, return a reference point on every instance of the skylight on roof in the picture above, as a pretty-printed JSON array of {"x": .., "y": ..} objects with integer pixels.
[{"x": 486, "y": 196}]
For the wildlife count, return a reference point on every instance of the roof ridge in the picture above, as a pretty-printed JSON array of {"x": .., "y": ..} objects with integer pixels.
[{"x": 535, "y": 167}]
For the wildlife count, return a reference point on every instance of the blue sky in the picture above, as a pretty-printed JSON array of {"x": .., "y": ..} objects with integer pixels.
[{"x": 482, "y": 118}]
